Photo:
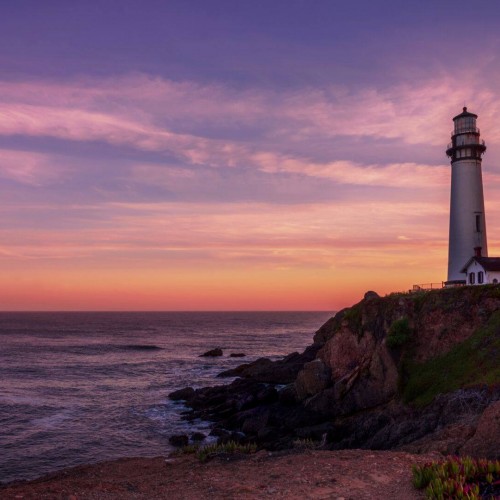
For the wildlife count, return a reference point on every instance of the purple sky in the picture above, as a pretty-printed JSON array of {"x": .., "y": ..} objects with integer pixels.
[{"x": 255, "y": 139}]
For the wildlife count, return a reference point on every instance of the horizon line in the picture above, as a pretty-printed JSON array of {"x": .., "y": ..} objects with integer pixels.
[{"x": 161, "y": 311}]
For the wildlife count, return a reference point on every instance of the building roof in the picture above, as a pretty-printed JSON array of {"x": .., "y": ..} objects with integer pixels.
[
  {"x": 487, "y": 263},
  {"x": 465, "y": 113}
]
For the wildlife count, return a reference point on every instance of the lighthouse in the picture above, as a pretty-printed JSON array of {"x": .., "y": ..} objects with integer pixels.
[{"x": 467, "y": 218}]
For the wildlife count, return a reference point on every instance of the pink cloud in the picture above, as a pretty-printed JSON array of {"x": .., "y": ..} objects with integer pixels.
[
  {"x": 29, "y": 168},
  {"x": 152, "y": 114},
  {"x": 347, "y": 172}
]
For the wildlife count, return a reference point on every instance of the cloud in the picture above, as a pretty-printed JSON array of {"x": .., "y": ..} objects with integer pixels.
[
  {"x": 346, "y": 172},
  {"x": 29, "y": 168},
  {"x": 309, "y": 232},
  {"x": 218, "y": 126}
]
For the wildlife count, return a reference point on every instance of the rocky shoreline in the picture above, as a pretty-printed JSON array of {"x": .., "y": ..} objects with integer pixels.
[{"x": 347, "y": 389}]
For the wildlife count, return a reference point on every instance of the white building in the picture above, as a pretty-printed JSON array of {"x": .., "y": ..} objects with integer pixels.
[
  {"x": 467, "y": 218},
  {"x": 482, "y": 270}
]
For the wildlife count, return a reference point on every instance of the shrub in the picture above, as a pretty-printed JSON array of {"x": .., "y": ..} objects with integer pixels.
[
  {"x": 399, "y": 333},
  {"x": 461, "y": 478}
]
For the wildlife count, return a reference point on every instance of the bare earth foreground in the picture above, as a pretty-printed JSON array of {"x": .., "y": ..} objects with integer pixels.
[{"x": 346, "y": 474}]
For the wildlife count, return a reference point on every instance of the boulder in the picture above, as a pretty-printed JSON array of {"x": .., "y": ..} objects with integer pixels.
[
  {"x": 198, "y": 436},
  {"x": 288, "y": 395},
  {"x": 184, "y": 394},
  {"x": 252, "y": 370},
  {"x": 178, "y": 440},
  {"x": 283, "y": 371},
  {"x": 312, "y": 379},
  {"x": 486, "y": 440},
  {"x": 255, "y": 421}
]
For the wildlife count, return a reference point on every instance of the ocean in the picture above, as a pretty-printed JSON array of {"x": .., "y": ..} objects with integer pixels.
[{"x": 82, "y": 387}]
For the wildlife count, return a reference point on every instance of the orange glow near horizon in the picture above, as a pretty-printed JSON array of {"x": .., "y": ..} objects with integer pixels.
[
  {"x": 153, "y": 289},
  {"x": 200, "y": 287},
  {"x": 321, "y": 257}
]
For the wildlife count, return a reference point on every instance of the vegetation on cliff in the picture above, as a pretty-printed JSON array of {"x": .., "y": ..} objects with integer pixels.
[
  {"x": 399, "y": 333},
  {"x": 474, "y": 361}
]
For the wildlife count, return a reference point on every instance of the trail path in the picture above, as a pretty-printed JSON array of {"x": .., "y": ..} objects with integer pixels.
[{"x": 346, "y": 474}]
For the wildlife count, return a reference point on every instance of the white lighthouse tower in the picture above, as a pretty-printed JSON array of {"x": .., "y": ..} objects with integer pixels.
[{"x": 467, "y": 217}]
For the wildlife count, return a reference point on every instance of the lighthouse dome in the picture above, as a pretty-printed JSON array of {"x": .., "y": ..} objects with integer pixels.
[
  {"x": 465, "y": 123},
  {"x": 465, "y": 138}
]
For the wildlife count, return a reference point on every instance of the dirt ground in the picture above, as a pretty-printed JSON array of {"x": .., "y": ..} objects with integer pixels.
[{"x": 314, "y": 474}]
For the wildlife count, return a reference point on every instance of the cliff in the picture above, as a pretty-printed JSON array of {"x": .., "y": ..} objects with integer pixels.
[{"x": 412, "y": 371}]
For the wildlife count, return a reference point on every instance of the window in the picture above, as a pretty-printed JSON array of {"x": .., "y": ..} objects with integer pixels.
[
  {"x": 480, "y": 277},
  {"x": 472, "y": 278},
  {"x": 478, "y": 223}
]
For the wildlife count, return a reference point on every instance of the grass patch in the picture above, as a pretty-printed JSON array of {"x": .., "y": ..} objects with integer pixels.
[
  {"x": 472, "y": 362},
  {"x": 204, "y": 453},
  {"x": 457, "y": 478},
  {"x": 189, "y": 449},
  {"x": 306, "y": 444},
  {"x": 420, "y": 298},
  {"x": 399, "y": 333}
]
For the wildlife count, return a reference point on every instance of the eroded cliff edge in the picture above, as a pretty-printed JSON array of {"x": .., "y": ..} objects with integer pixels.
[{"x": 419, "y": 372}]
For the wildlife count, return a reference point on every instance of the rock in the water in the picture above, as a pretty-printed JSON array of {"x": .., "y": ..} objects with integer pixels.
[
  {"x": 198, "y": 436},
  {"x": 237, "y": 355},
  {"x": 288, "y": 395},
  {"x": 178, "y": 440},
  {"x": 283, "y": 371},
  {"x": 213, "y": 353},
  {"x": 249, "y": 370},
  {"x": 184, "y": 394}
]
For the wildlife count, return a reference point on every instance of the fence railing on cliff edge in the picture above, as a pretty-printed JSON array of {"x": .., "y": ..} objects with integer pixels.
[{"x": 427, "y": 286}]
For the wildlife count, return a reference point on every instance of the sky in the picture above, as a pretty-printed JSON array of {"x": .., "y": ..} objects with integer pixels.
[{"x": 235, "y": 155}]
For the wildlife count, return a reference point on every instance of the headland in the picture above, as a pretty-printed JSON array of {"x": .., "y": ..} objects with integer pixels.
[{"x": 389, "y": 382}]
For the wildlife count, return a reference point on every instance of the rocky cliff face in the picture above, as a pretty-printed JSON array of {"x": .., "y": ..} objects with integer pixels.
[
  {"x": 366, "y": 368},
  {"x": 384, "y": 373}
]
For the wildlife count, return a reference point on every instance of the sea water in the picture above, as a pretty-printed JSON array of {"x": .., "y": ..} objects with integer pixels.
[{"x": 82, "y": 387}]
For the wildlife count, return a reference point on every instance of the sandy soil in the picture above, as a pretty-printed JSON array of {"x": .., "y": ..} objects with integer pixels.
[{"x": 346, "y": 474}]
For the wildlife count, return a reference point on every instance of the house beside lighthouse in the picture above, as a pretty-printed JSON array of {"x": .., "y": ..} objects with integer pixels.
[
  {"x": 482, "y": 270},
  {"x": 468, "y": 261}
]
